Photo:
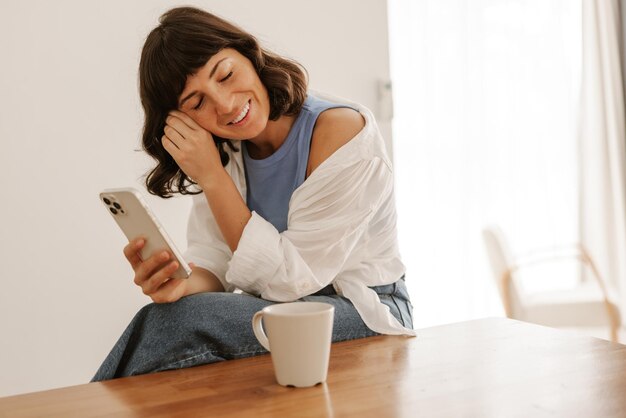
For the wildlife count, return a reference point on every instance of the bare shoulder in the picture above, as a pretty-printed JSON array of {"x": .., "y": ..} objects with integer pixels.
[{"x": 333, "y": 129}]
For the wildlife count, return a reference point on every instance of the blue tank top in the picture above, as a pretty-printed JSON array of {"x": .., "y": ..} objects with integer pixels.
[{"x": 272, "y": 180}]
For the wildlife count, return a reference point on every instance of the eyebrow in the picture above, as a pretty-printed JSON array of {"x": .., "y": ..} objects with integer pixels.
[{"x": 193, "y": 93}]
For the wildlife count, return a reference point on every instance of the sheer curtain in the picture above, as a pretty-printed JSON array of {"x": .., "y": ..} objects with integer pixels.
[
  {"x": 485, "y": 99},
  {"x": 602, "y": 143}
]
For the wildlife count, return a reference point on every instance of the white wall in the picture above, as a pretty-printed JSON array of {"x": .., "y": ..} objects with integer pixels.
[{"x": 70, "y": 120}]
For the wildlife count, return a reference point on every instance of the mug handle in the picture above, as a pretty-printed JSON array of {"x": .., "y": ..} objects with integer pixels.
[{"x": 258, "y": 330}]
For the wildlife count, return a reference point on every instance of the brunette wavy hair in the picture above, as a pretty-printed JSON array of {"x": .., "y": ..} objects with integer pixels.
[{"x": 184, "y": 41}]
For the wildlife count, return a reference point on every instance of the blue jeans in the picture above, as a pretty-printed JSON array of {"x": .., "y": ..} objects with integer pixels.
[{"x": 209, "y": 327}]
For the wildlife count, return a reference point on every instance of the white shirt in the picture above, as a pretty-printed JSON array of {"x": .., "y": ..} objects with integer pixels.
[{"x": 341, "y": 229}]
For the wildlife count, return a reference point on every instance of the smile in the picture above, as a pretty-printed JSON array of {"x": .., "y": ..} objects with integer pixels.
[{"x": 242, "y": 115}]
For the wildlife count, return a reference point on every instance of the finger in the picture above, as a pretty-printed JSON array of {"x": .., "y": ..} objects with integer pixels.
[
  {"x": 170, "y": 146},
  {"x": 184, "y": 118},
  {"x": 149, "y": 266},
  {"x": 173, "y": 134},
  {"x": 173, "y": 141},
  {"x": 131, "y": 252},
  {"x": 170, "y": 291},
  {"x": 176, "y": 122},
  {"x": 159, "y": 277}
]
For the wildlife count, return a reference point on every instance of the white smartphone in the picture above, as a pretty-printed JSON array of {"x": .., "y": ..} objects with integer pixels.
[{"x": 134, "y": 217}]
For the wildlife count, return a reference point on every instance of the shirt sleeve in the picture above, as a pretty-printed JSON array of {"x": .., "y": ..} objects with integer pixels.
[
  {"x": 205, "y": 245},
  {"x": 327, "y": 220}
]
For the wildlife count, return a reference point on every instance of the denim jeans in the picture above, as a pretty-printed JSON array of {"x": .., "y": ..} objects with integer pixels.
[{"x": 211, "y": 327}]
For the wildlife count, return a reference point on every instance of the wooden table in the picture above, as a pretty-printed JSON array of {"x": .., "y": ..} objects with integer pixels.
[{"x": 485, "y": 368}]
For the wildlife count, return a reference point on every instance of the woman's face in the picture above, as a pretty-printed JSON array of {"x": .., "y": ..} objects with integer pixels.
[{"x": 226, "y": 97}]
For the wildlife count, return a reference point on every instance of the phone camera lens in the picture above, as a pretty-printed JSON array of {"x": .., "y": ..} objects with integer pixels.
[
  {"x": 117, "y": 205},
  {"x": 107, "y": 201},
  {"x": 114, "y": 211}
]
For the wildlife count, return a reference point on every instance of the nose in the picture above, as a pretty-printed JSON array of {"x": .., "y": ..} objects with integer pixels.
[{"x": 224, "y": 104}]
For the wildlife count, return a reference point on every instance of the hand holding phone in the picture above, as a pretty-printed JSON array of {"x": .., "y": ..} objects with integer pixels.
[
  {"x": 154, "y": 274},
  {"x": 136, "y": 220},
  {"x": 160, "y": 269}
]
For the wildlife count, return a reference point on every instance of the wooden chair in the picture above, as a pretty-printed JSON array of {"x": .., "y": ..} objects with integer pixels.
[{"x": 585, "y": 305}]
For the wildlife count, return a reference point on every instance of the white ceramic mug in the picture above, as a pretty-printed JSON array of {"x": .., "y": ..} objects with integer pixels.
[{"x": 298, "y": 337}]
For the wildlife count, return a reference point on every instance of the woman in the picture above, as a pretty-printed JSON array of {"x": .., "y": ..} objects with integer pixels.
[{"x": 293, "y": 200}]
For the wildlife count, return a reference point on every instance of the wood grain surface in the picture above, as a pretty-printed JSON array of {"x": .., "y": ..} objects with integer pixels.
[{"x": 492, "y": 367}]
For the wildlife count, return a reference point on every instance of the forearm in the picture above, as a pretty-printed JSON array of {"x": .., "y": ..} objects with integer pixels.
[
  {"x": 202, "y": 280},
  {"x": 229, "y": 209}
]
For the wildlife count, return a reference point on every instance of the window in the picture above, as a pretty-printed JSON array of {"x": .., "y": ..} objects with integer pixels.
[{"x": 485, "y": 99}]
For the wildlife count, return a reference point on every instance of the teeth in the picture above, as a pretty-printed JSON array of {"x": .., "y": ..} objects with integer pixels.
[{"x": 243, "y": 113}]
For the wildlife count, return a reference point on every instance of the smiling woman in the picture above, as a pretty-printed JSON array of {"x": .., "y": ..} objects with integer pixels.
[
  {"x": 293, "y": 201},
  {"x": 184, "y": 66}
]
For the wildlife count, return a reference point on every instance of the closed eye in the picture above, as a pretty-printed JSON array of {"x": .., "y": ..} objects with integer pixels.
[{"x": 199, "y": 104}]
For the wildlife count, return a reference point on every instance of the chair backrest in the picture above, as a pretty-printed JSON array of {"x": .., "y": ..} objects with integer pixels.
[{"x": 501, "y": 260}]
